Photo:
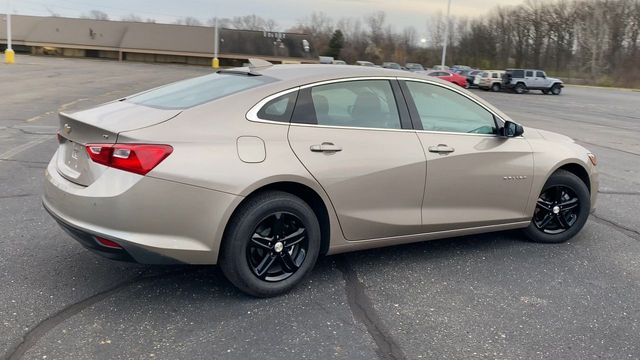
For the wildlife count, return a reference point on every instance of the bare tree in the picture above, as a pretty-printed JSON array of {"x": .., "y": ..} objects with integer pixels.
[
  {"x": 132, "y": 17},
  {"x": 96, "y": 15}
]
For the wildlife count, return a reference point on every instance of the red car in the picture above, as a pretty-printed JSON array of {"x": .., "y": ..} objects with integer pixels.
[{"x": 451, "y": 77}]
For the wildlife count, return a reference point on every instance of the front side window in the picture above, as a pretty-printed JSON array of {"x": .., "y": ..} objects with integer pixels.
[
  {"x": 362, "y": 103},
  {"x": 196, "y": 91},
  {"x": 441, "y": 109},
  {"x": 540, "y": 74}
]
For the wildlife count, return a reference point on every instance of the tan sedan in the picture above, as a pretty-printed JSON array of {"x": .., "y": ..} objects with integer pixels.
[{"x": 263, "y": 169}]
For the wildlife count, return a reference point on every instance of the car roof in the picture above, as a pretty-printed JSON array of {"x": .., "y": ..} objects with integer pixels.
[
  {"x": 300, "y": 74},
  {"x": 289, "y": 76}
]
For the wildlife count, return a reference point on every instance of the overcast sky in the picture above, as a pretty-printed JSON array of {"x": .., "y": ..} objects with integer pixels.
[{"x": 400, "y": 13}]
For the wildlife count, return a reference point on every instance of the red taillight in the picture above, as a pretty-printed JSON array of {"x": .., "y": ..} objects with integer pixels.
[
  {"x": 136, "y": 158},
  {"x": 108, "y": 243}
]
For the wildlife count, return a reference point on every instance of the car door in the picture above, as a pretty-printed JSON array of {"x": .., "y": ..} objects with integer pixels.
[
  {"x": 474, "y": 177},
  {"x": 533, "y": 81},
  {"x": 541, "y": 80},
  {"x": 356, "y": 142}
]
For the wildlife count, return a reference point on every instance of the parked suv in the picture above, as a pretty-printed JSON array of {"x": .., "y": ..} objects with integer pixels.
[
  {"x": 414, "y": 67},
  {"x": 391, "y": 65},
  {"x": 523, "y": 80},
  {"x": 490, "y": 80}
]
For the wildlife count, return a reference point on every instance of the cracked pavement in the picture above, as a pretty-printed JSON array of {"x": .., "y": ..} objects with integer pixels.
[{"x": 487, "y": 296}]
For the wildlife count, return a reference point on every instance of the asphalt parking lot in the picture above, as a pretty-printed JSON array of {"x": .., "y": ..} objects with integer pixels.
[{"x": 489, "y": 296}]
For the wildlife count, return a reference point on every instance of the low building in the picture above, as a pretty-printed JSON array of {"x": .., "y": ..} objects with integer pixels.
[{"x": 151, "y": 42}]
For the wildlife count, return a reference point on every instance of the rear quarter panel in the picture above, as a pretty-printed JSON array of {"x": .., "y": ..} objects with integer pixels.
[{"x": 205, "y": 154}]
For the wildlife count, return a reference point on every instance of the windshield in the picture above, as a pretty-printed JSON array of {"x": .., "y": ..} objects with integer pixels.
[{"x": 196, "y": 91}]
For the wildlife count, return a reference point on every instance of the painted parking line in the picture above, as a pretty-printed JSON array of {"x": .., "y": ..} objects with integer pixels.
[
  {"x": 61, "y": 108},
  {"x": 26, "y": 146}
]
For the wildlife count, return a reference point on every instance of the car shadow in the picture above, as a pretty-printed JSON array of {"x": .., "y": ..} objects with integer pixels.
[{"x": 199, "y": 280}]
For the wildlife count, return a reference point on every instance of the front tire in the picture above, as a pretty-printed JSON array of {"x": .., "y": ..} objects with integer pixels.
[
  {"x": 562, "y": 209},
  {"x": 272, "y": 243},
  {"x": 556, "y": 89}
]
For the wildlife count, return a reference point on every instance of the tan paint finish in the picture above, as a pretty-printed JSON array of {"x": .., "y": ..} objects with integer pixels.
[
  {"x": 373, "y": 189},
  {"x": 251, "y": 149},
  {"x": 376, "y": 182},
  {"x": 486, "y": 180}
]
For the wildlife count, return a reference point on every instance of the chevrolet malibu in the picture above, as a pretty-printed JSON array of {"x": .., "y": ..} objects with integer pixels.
[{"x": 263, "y": 169}]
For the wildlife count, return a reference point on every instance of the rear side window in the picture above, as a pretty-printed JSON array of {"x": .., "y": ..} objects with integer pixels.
[
  {"x": 279, "y": 109},
  {"x": 529, "y": 73},
  {"x": 518, "y": 74},
  {"x": 196, "y": 91},
  {"x": 362, "y": 103}
]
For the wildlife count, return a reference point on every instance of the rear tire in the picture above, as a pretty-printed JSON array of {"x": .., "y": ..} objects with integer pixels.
[
  {"x": 495, "y": 87},
  {"x": 520, "y": 88},
  {"x": 562, "y": 209},
  {"x": 272, "y": 243}
]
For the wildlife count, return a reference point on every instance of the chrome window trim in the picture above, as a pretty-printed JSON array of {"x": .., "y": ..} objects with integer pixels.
[
  {"x": 498, "y": 117},
  {"x": 252, "y": 114},
  {"x": 358, "y": 78}
]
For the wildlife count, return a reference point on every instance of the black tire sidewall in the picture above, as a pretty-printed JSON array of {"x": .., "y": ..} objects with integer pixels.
[
  {"x": 233, "y": 260},
  {"x": 556, "y": 90},
  {"x": 573, "y": 182},
  {"x": 495, "y": 88},
  {"x": 520, "y": 88}
]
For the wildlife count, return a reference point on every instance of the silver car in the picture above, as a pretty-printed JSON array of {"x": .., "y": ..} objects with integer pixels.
[{"x": 263, "y": 169}]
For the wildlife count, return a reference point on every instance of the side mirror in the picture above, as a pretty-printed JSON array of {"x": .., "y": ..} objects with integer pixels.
[{"x": 511, "y": 129}]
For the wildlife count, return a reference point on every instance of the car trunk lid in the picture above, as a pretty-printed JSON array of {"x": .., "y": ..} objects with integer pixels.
[{"x": 99, "y": 125}]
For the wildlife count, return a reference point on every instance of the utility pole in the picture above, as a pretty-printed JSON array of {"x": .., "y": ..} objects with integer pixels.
[
  {"x": 9, "y": 54},
  {"x": 446, "y": 34},
  {"x": 215, "y": 63}
]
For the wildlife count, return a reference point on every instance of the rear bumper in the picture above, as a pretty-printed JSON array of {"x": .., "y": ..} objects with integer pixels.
[
  {"x": 128, "y": 252},
  {"x": 155, "y": 221}
]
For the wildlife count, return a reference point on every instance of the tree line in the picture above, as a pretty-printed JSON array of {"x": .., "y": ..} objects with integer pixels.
[{"x": 588, "y": 41}]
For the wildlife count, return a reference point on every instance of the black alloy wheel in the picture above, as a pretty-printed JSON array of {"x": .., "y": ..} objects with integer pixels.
[
  {"x": 562, "y": 209},
  {"x": 557, "y": 210},
  {"x": 271, "y": 243},
  {"x": 278, "y": 247}
]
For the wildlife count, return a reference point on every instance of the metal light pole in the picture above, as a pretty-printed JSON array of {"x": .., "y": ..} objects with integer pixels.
[
  {"x": 215, "y": 63},
  {"x": 446, "y": 34},
  {"x": 9, "y": 54}
]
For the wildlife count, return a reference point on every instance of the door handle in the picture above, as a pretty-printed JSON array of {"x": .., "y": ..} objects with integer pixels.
[
  {"x": 441, "y": 149},
  {"x": 325, "y": 147}
]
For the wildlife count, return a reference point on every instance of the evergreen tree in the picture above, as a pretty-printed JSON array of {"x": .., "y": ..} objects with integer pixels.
[{"x": 335, "y": 44}]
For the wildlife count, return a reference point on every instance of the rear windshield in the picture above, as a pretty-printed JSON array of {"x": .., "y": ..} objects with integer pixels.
[{"x": 196, "y": 91}]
